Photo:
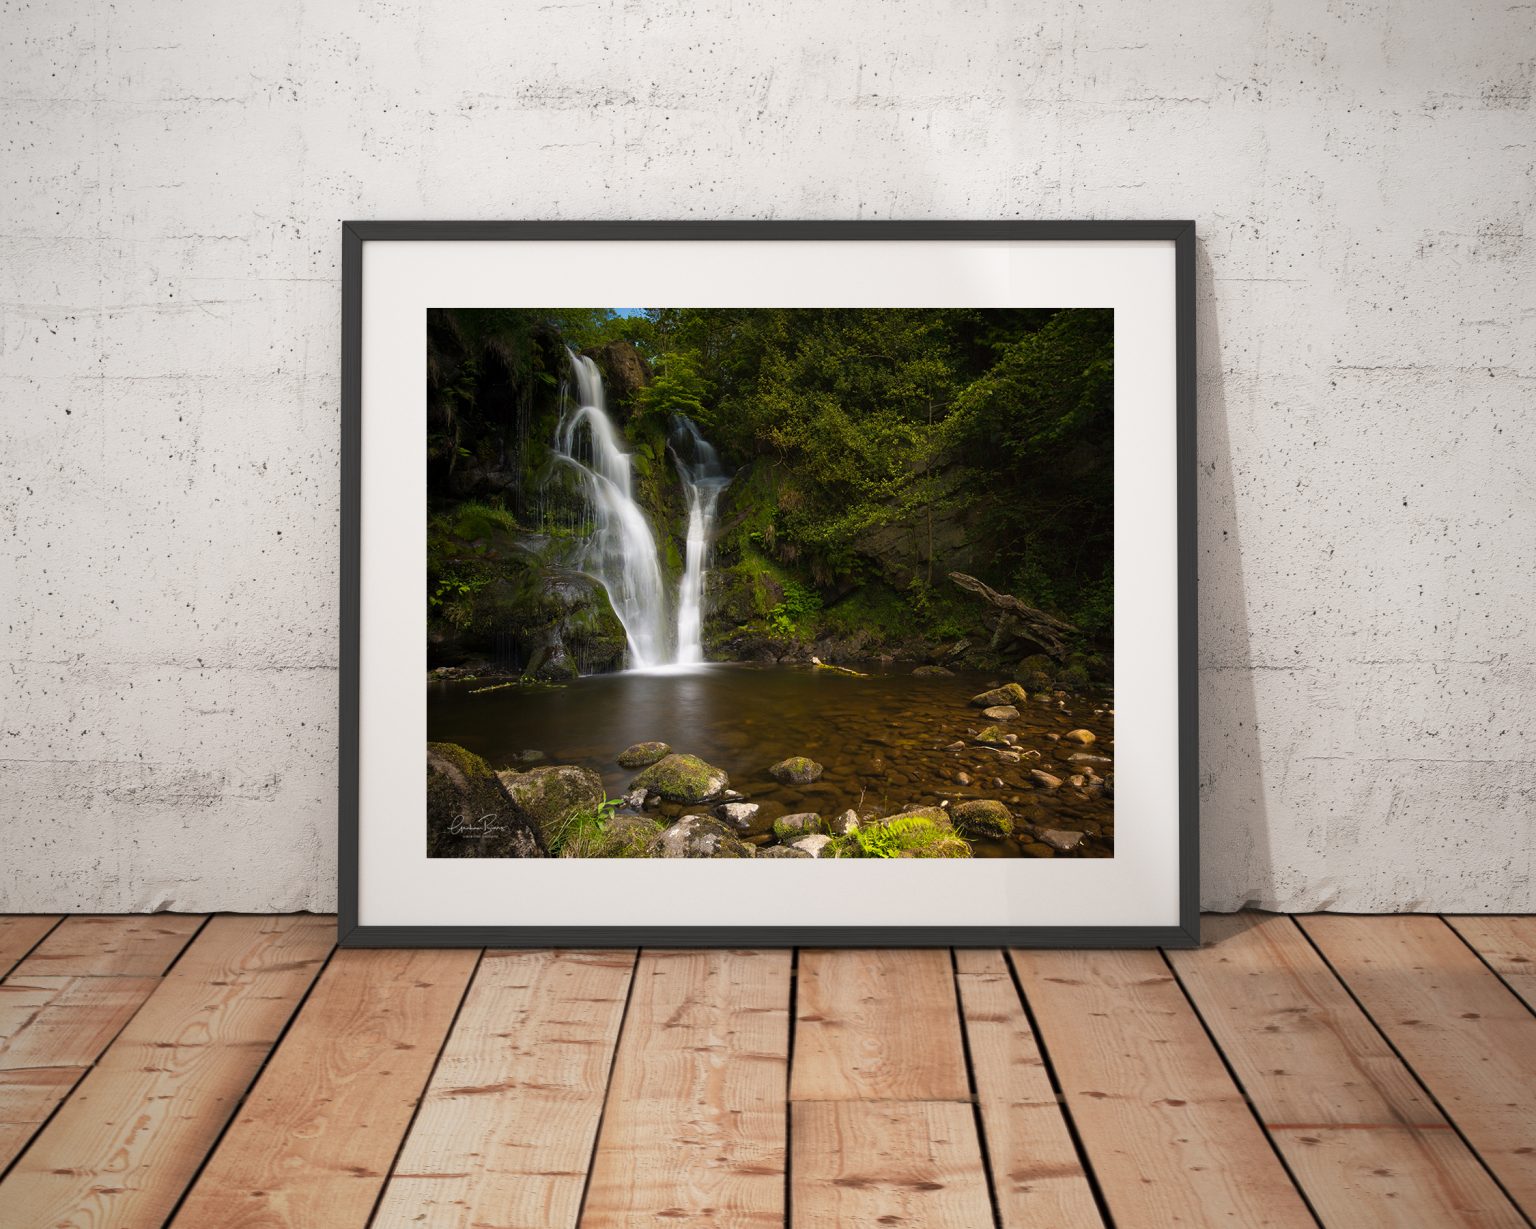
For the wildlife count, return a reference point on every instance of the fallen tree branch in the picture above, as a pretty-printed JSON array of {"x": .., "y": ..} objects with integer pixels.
[{"x": 1046, "y": 630}]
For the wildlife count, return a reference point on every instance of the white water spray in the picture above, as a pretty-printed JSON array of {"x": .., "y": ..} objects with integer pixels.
[
  {"x": 698, "y": 464},
  {"x": 621, "y": 553}
]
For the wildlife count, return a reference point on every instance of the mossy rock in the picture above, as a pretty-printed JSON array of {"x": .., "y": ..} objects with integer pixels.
[
  {"x": 1008, "y": 693},
  {"x": 1036, "y": 672},
  {"x": 630, "y": 836},
  {"x": 919, "y": 832},
  {"x": 796, "y": 770},
  {"x": 803, "y": 823},
  {"x": 643, "y": 755},
  {"x": 699, "y": 836},
  {"x": 548, "y": 797},
  {"x": 1074, "y": 678},
  {"x": 936, "y": 815},
  {"x": 469, "y": 814},
  {"x": 984, "y": 817},
  {"x": 992, "y": 737},
  {"x": 683, "y": 778}
]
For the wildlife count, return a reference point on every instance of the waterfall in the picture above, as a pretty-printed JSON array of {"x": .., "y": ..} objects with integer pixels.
[
  {"x": 621, "y": 552},
  {"x": 698, "y": 464}
]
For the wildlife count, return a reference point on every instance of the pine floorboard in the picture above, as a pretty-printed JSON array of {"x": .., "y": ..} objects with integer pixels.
[{"x": 239, "y": 1072}]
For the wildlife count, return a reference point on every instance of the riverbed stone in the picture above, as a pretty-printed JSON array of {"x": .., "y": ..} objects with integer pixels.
[
  {"x": 984, "y": 817},
  {"x": 1085, "y": 737},
  {"x": 683, "y": 778},
  {"x": 813, "y": 844},
  {"x": 932, "y": 672},
  {"x": 845, "y": 823},
  {"x": 547, "y": 796},
  {"x": 1061, "y": 839},
  {"x": 700, "y": 836},
  {"x": 1000, "y": 712},
  {"x": 784, "y": 851},
  {"x": 1044, "y": 779},
  {"x": 1088, "y": 757},
  {"x": 796, "y": 770},
  {"x": 1008, "y": 694},
  {"x": 991, "y": 736},
  {"x": 643, "y": 755},
  {"x": 802, "y": 823},
  {"x": 742, "y": 818}
]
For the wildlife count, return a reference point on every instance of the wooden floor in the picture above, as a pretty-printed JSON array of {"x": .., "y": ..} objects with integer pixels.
[{"x": 237, "y": 1072}]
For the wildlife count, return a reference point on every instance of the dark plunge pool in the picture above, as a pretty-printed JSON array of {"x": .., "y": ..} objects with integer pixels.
[{"x": 881, "y": 738}]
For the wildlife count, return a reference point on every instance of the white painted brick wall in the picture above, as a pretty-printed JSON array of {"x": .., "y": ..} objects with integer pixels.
[{"x": 172, "y": 180}]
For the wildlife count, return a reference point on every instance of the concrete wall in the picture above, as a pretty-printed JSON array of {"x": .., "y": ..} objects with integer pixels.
[{"x": 172, "y": 182}]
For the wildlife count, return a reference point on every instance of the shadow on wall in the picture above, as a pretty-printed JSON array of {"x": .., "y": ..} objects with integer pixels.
[{"x": 1237, "y": 858}]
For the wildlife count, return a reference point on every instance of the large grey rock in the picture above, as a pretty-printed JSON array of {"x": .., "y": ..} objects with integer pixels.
[
  {"x": 813, "y": 844},
  {"x": 699, "y": 836}
]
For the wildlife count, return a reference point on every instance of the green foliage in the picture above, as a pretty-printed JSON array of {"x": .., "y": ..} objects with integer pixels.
[
  {"x": 876, "y": 450},
  {"x": 583, "y": 832},
  {"x": 905, "y": 836},
  {"x": 793, "y": 614},
  {"x": 677, "y": 388},
  {"x": 475, "y": 519}
]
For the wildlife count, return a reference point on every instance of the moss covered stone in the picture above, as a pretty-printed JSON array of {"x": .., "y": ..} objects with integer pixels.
[
  {"x": 1008, "y": 693},
  {"x": 791, "y": 827},
  {"x": 984, "y": 817},
  {"x": 548, "y": 797},
  {"x": 469, "y": 814},
  {"x": 783, "y": 851},
  {"x": 992, "y": 737},
  {"x": 629, "y": 836},
  {"x": 1036, "y": 672},
  {"x": 642, "y": 755},
  {"x": 683, "y": 778},
  {"x": 796, "y": 770}
]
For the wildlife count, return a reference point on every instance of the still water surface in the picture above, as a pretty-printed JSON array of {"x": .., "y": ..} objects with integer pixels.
[{"x": 880, "y": 738}]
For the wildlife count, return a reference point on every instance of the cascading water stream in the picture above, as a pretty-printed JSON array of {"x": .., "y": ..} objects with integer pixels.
[
  {"x": 621, "y": 551},
  {"x": 698, "y": 464}
]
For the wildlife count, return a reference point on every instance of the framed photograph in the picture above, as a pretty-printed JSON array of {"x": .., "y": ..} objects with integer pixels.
[{"x": 768, "y": 583}]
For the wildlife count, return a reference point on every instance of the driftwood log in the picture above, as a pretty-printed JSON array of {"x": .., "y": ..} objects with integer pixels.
[{"x": 1045, "y": 630}]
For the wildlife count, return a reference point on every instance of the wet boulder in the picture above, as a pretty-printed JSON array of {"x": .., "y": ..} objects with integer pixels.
[
  {"x": 1009, "y": 693},
  {"x": 643, "y": 755},
  {"x": 683, "y": 778},
  {"x": 1000, "y": 712},
  {"x": 796, "y": 770},
  {"x": 984, "y": 817}
]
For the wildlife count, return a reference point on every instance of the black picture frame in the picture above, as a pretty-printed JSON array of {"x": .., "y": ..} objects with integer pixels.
[{"x": 352, "y": 934}]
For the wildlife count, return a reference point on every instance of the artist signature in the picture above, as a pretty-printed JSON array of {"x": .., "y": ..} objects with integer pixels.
[{"x": 484, "y": 826}]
